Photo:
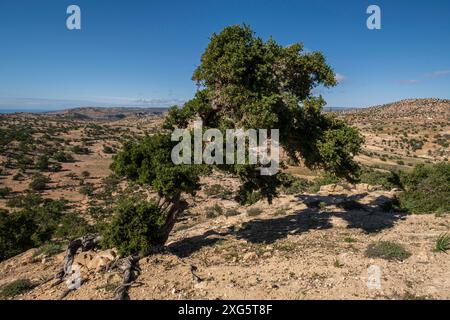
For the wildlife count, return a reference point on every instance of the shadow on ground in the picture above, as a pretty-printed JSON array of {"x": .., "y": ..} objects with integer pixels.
[{"x": 367, "y": 217}]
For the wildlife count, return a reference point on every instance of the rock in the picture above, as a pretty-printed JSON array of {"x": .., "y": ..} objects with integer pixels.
[{"x": 267, "y": 254}]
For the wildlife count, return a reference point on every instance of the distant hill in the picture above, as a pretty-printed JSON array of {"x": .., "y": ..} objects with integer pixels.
[
  {"x": 406, "y": 109},
  {"x": 101, "y": 113}
]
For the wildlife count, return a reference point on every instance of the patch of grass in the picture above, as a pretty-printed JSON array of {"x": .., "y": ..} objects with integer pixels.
[
  {"x": 15, "y": 288},
  {"x": 387, "y": 250},
  {"x": 49, "y": 249},
  {"x": 443, "y": 243},
  {"x": 252, "y": 212},
  {"x": 349, "y": 240}
]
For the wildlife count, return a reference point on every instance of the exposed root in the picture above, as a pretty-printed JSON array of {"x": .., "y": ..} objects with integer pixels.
[
  {"x": 130, "y": 269},
  {"x": 86, "y": 243}
]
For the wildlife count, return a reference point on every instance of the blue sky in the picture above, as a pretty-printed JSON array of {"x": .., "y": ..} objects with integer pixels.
[{"x": 143, "y": 53}]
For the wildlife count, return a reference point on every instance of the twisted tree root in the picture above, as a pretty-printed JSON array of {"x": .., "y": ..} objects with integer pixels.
[{"x": 130, "y": 269}]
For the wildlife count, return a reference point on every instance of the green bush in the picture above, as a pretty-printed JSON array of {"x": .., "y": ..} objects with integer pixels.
[
  {"x": 4, "y": 192},
  {"x": 16, "y": 233},
  {"x": 39, "y": 183},
  {"x": 324, "y": 179},
  {"x": 42, "y": 163},
  {"x": 135, "y": 227},
  {"x": 388, "y": 180},
  {"x": 293, "y": 185},
  {"x": 16, "y": 288},
  {"x": 61, "y": 156},
  {"x": 80, "y": 150},
  {"x": 427, "y": 189}
]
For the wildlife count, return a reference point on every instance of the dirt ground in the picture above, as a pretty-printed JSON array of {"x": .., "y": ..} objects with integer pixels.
[{"x": 306, "y": 253}]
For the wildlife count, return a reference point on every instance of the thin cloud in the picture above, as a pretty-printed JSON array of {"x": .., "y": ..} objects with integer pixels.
[
  {"x": 439, "y": 73},
  {"x": 409, "y": 82}
]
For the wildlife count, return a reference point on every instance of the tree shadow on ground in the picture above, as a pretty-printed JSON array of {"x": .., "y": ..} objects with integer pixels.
[{"x": 368, "y": 217}]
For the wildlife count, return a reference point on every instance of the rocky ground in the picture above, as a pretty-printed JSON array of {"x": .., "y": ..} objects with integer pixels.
[{"x": 301, "y": 247}]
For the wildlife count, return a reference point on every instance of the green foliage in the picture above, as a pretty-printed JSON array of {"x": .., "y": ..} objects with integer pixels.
[
  {"x": 324, "y": 179},
  {"x": 37, "y": 222},
  {"x": 443, "y": 243},
  {"x": 148, "y": 161},
  {"x": 217, "y": 191},
  {"x": 87, "y": 189},
  {"x": 135, "y": 227},
  {"x": 4, "y": 192},
  {"x": 39, "y": 182},
  {"x": 42, "y": 163},
  {"x": 80, "y": 150},
  {"x": 62, "y": 156},
  {"x": 387, "y": 180},
  {"x": 387, "y": 250},
  {"x": 246, "y": 82},
  {"x": 16, "y": 232},
  {"x": 214, "y": 211},
  {"x": 248, "y": 197},
  {"x": 16, "y": 288},
  {"x": 293, "y": 185},
  {"x": 427, "y": 188},
  {"x": 108, "y": 150},
  {"x": 49, "y": 249}
]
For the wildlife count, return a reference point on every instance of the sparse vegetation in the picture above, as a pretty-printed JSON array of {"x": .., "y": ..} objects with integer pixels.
[
  {"x": 16, "y": 288},
  {"x": 387, "y": 250},
  {"x": 443, "y": 243}
]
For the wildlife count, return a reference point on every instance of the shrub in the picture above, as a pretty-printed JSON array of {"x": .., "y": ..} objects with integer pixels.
[
  {"x": 253, "y": 212},
  {"x": 388, "y": 180},
  {"x": 85, "y": 174},
  {"x": 135, "y": 227},
  {"x": 387, "y": 250},
  {"x": 42, "y": 163},
  {"x": 427, "y": 189},
  {"x": 214, "y": 211},
  {"x": 61, "y": 156},
  {"x": 218, "y": 191},
  {"x": 87, "y": 189},
  {"x": 324, "y": 179},
  {"x": 248, "y": 197},
  {"x": 80, "y": 150},
  {"x": 39, "y": 182},
  {"x": 293, "y": 185},
  {"x": 4, "y": 192},
  {"x": 16, "y": 288},
  {"x": 108, "y": 149},
  {"x": 232, "y": 212}
]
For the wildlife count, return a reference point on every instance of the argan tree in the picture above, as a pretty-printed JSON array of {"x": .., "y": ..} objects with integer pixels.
[{"x": 243, "y": 82}]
